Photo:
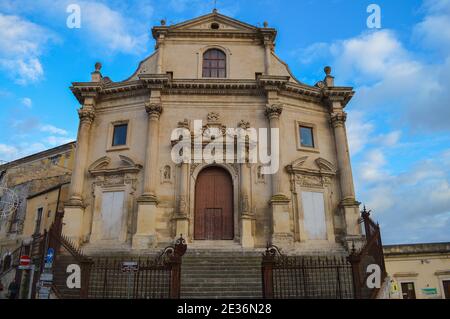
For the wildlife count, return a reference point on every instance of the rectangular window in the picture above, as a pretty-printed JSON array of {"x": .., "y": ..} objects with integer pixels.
[
  {"x": 408, "y": 290},
  {"x": 120, "y": 135},
  {"x": 306, "y": 136},
  {"x": 37, "y": 227},
  {"x": 314, "y": 215}
]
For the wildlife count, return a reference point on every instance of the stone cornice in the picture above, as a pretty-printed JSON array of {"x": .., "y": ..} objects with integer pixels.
[
  {"x": 155, "y": 81},
  {"x": 239, "y": 29},
  {"x": 163, "y": 82},
  {"x": 86, "y": 89},
  {"x": 273, "y": 82},
  {"x": 341, "y": 94}
]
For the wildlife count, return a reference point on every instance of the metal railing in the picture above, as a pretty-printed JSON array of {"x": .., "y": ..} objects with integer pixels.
[
  {"x": 324, "y": 277},
  {"x": 102, "y": 278},
  {"x": 305, "y": 277},
  {"x": 370, "y": 254}
]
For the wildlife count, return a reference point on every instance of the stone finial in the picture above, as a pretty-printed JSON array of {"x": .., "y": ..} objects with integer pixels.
[
  {"x": 266, "y": 24},
  {"x": 163, "y": 22},
  {"x": 214, "y": 10},
  {"x": 329, "y": 79},
  {"x": 96, "y": 76}
]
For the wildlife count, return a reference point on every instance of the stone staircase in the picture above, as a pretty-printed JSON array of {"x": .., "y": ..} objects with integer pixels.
[{"x": 221, "y": 274}]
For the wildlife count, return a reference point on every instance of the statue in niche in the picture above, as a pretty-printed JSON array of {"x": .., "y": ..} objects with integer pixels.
[{"x": 167, "y": 173}]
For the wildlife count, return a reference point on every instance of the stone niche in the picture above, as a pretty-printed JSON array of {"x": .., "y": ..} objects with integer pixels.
[
  {"x": 113, "y": 191},
  {"x": 312, "y": 178}
]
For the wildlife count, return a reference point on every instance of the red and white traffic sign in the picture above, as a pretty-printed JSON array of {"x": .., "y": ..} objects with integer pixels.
[{"x": 24, "y": 262}]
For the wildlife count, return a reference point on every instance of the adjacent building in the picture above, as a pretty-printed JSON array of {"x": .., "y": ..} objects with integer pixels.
[
  {"x": 419, "y": 271},
  {"x": 35, "y": 186}
]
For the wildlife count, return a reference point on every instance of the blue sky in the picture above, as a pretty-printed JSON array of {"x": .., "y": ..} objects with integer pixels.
[{"x": 399, "y": 121}]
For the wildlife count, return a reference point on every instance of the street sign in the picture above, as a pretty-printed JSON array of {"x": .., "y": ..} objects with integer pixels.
[
  {"x": 49, "y": 256},
  {"x": 24, "y": 262},
  {"x": 46, "y": 277},
  {"x": 130, "y": 266}
]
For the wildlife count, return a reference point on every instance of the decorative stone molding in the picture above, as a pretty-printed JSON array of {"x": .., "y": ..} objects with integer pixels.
[
  {"x": 184, "y": 124},
  {"x": 245, "y": 206},
  {"x": 99, "y": 164},
  {"x": 87, "y": 115},
  {"x": 182, "y": 208},
  {"x": 213, "y": 118},
  {"x": 273, "y": 111},
  {"x": 303, "y": 176},
  {"x": 102, "y": 166},
  {"x": 154, "y": 109},
  {"x": 311, "y": 181},
  {"x": 245, "y": 125},
  {"x": 338, "y": 119},
  {"x": 233, "y": 169}
]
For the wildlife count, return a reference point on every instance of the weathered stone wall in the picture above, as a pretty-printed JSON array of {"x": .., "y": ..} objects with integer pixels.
[{"x": 29, "y": 176}]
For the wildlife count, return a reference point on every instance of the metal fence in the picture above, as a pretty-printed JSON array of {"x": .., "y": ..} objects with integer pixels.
[
  {"x": 151, "y": 280},
  {"x": 155, "y": 277},
  {"x": 325, "y": 277},
  {"x": 306, "y": 277}
]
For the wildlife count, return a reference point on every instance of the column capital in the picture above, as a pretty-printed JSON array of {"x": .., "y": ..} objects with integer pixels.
[
  {"x": 338, "y": 119},
  {"x": 87, "y": 115},
  {"x": 273, "y": 111},
  {"x": 154, "y": 109}
]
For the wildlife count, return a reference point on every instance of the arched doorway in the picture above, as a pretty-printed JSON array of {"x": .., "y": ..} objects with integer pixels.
[{"x": 213, "y": 215}]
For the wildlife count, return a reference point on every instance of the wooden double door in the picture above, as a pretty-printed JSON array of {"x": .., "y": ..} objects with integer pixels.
[{"x": 213, "y": 218}]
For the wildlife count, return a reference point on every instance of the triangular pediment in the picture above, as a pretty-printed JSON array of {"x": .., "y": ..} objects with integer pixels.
[{"x": 204, "y": 23}]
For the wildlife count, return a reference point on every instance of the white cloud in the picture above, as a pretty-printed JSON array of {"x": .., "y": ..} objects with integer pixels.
[
  {"x": 26, "y": 101},
  {"x": 9, "y": 152},
  {"x": 57, "y": 140},
  {"x": 111, "y": 28},
  {"x": 390, "y": 78},
  {"x": 371, "y": 168},
  {"x": 359, "y": 132},
  {"x": 390, "y": 139},
  {"x": 412, "y": 204},
  {"x": 53, "y": 130},
  {"x": 21, "y": 46}
]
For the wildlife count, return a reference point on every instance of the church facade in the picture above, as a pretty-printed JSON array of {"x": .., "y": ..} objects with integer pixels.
[{"x": 128, "y": 193}]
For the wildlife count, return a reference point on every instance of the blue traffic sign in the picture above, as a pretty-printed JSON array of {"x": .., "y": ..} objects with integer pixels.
[{"x": 49, "y": 257}]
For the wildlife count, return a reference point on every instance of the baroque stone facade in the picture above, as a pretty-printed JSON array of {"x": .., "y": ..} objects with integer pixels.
[{"x": 133, "y": 196}]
